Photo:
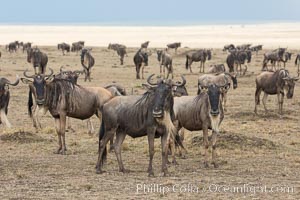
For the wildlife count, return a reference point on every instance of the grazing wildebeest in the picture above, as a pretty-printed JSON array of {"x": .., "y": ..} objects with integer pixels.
[
  {"x": 201, "y": 112},
  {"x": 174, "y": 45},
  {"x": 272, "y": 83},
  {"x": 273, "y": 56},
  {"x": 26, "y": 46},
  {"x": 120, "y": 49},
  {"x": 165, "y": 60},
  {"x": 219, "y": 79},
  {"x": 38, "y": 59},
  {"x": 256, "y": 48},
  {"x": 243, "y": 47},
  {"x": 77, "y": 46},
  {"x": 115, "y": 46},
  {"x": 64, "y": 47},
  {"x": 238, "y": 59},
  {"x": 12, "y": 47},
  {"x": 63, "y": 99},
  {"x": 220, "y": 68},
  {"x": 87, "y": 62},
  {"x": 150, "y": 114},
  {"x": 229, "y": 47},
  {"x": 140, "y": 60},
  {"x": 145, "y": 44},
  {"x": 297, "y": 62},
  {"x": 4, "y": 99},
  {"x": 199, "y": 55}
]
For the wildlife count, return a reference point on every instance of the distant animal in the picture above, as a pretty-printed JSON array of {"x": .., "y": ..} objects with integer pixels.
[
  {"x": 243, "y": 47},
  {"x": 149, "y": 115},
  {"x": 4, "y": 99},
  {"x": 120, "y": 49},
  {"x": 220, "y": 68},
  {"x": 64, "y": 47},
  {"x": 145, "y": 44},
  {"x": 165, "y": 60},
  {"x": 201, "y": 112},
  {"x": 140, "y": 60},
  {"x": 273, "y": 56},
  {"x": 238, "y": 58},
  {"x": 286, "y": 57},
  {"x": 87, "y": 62},
  {"x": 272, "y": 83},
  {"x": 12, "y": 47},
  {"x": 256, "y": 48},
  {"x": 38, "y": 59},
  {"x": 229, "y": 47},
  {"x": 297, "y": 62},
  {"x": 174, "y": 45},
  {"x": 77, "y": 46},
  {"x": 197, "y": 56},
  {"x": 26, "y": 46},
  {"x": 63, "y": 99}
]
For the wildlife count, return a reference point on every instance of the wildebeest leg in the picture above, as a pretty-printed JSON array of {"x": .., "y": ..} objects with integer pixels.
[
  {"x": 120, "y": 136},
  {"x": 36, "y": 118},
  {"x": 280, "y": 97},
  {"x": 206, "y": 146},
  {"x": 143, "y": 66},
  {"x": 224, "y": 98},
  {"x": 69, "y": 124},
  {"x": 151, "y": 134},
  {"x": 164, "y": 152},
  {"x": 111, "y": 144},
  {"x": 265, "y": 101},
  {"x": 4, "y": 119},
  {"x": 63, "y": 121},
  {"x": 90, "y": 126},
  {"x": 122, "y": 59},
  {"x": 138, "y": 67},
  {"x": 257, "y": 95},
  {"x": 213, "y": 145},
  {"x": 35, "y": 70},
  {"x": 190, "y": 65},
  {"x": 57, "y": 127}
]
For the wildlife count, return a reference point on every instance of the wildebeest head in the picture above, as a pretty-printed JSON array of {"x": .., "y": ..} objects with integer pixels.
[
  {"x": 38, "y": 85},
  {"x": 289, "y": 86},
  {"x": 208, "y": 54},
  {"x": 4, "y": 85},
  {"x": 159, "y": 53},
  {"x": 213, "y": 91},
  {"x": 84, "y": 52},
  {"x": 69, "y": 75},
  {"x": 34, "y": 56},
  {"x": 249, "y": 55},
  {"x": 163, "y": 98},
  {"x": 179, "y": 91}
]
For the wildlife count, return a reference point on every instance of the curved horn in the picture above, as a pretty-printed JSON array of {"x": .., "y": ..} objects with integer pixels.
[
  {"x": 226, "y": 82},
  {"x": 180, "y": 84},
  {"x": 15, "y": 83},
  {"x": 149, "y": 78},
  {"x": 48, "y": 75},
  {"x": 27, "y": 76}
]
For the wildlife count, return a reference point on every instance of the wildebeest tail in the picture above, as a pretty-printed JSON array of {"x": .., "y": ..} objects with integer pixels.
[
  {"x": 30, "y": 103},
  {"x": 187, "y": 62},
  {"x": 101, "y": 135},
  {"x": 296, "y": 61}
]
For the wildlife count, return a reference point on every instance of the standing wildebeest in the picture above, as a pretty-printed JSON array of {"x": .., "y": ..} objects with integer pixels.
[
  {"x": 165, "y": 60},
  {"x": 77, "y": 46},
  {"x": 64, "y": 47},
  {"x": 12, "y": 47},
  {"x": 4, "y": 99},
  {"x": 26, "y": 46},
  {"x": 120, "y": 49},
  {"x": 148, "y": 115},
  {"x": 220, "y": 68},
  {"x": 219, "y": 79},
  {"x": 229, "y": 47},
  {"x": 238, "y": 59},
  {"x": 256, "y": 48},
  {"x": 201, "y": 112},
  {"x": 175, "y": 46},
  {"x": 38, "y": 59},
  {"x": 145, "y": 44},
  {"x": 273, "y": 56},
  {"x": 199, "y": 55},
  {"x": 243, "y": 47},
  {"x": 286, "y": 57},
  {"x": 297, "y": 62},
  {"x": 87, "y": 62},
  {"x": 274, "y": 83},
  {"x": 63, "y": 99},
  {"x": 140, "y": 60}
]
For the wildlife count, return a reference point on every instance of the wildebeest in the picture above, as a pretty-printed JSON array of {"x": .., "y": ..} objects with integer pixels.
[
  {"x": 201, "y": 112},
  {"x": 286, "y": 57},
  {"x": 38, "y": 59},
  {"x": 229, "y": 47},
  {"x": 273, "y": 56},
  {"x": 272, "y": 83},
  {"x": 120, "y": 49},
  {"x": 64, "y": 47},
  {"x": 116, "y": 89},
  {"x": 243, "y": 47},
  {"x": 87, "y": 62},
  {"x": 297, "y": 62},
  {"x": 199, "y": 55},
  {"x": 165, "y": 60},
  {"x": 63, "y": 99},
  {"x": 77, "y": 46},
  {"x": 145, "y": 44},
  {"x": 12, "y": 47},
  {"x": 140, "y": 60},
  {"x": 4, "y": 99},
  {"x": 238, "y": 58},
  {"x": 219, "y": 79},
  {"x": 174, "y": 45},
  {"x": 150, "y": 114},
  {"x": 220, "y": 68},
  {"x": 256, "y": 48},
  {"x": 26, "y": 46}
]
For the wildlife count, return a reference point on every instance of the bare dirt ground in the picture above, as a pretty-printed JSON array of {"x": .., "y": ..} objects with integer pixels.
[{"x": 253, "y": 150}]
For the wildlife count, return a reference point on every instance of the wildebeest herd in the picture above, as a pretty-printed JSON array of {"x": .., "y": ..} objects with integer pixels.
[{"x": 160, "y": 111}]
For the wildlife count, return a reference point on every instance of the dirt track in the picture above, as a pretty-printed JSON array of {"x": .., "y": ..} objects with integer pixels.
[{"x": 254, "y": 150}]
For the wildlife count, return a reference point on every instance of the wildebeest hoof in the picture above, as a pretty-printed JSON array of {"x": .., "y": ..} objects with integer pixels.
[
  {"x": 206, "y": 165},
  {"x": 215, "y": 165},
  {"x": 125, "y": 171},
  {"x": 175, "y": 162},
  {"x": 58, "y": 151},
  {"x": 99, "y": 171},
  {"x": 151, "y": 174}
]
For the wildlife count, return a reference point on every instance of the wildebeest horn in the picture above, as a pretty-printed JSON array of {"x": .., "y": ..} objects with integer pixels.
[
  {"x": 180, "y": 84},
  {"x": 149, "y": 79},
  {"x": 48, "y": 75},
  {"x": 27, "y": 76},
  {"x": 78, "y": 72},
  {"x": 226, "y": 82},
  {"x": 15, "y": 83}
]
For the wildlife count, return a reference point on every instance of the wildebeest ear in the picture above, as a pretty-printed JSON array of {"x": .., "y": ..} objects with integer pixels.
[{"x": 26, "y": 81}]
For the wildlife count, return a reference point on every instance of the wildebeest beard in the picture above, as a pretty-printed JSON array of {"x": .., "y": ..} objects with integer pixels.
[{"x": 4, "y": 98}]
